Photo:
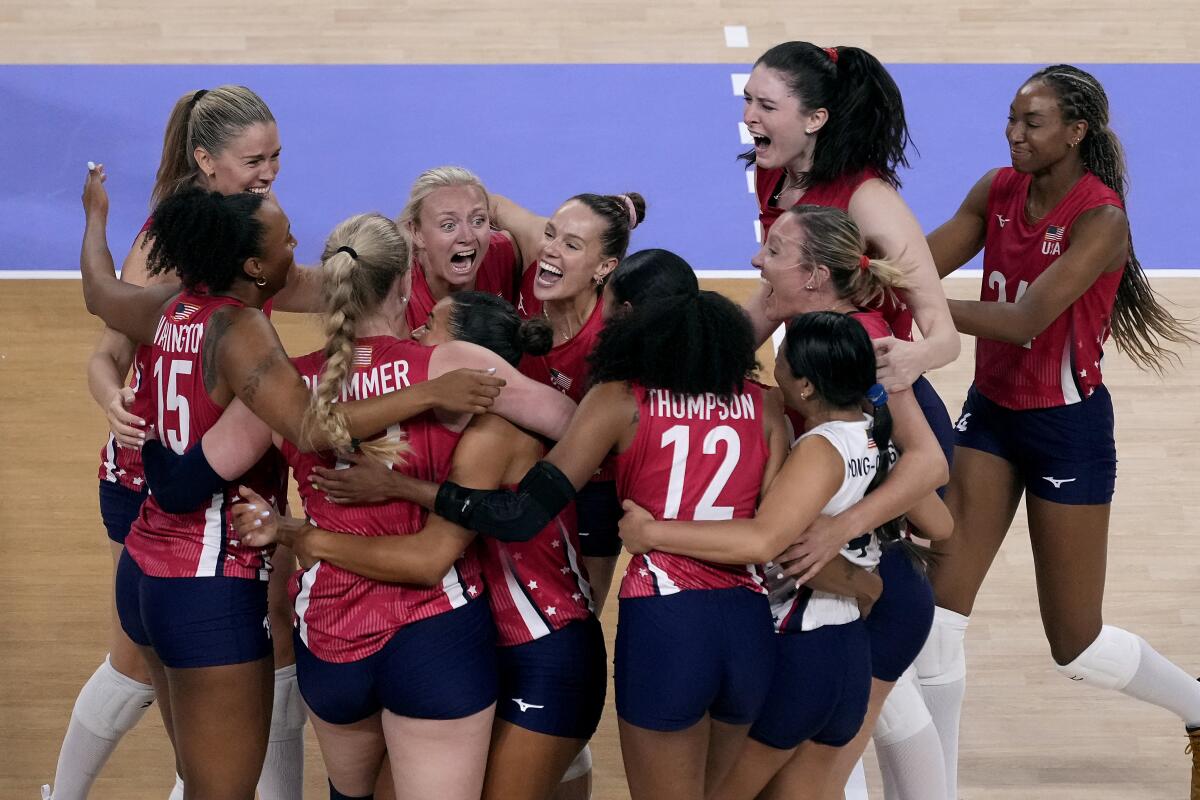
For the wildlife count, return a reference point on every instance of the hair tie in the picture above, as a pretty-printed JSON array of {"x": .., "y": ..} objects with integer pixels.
[
  {"x": 877, "y": 395},
  {"x": 346, "y": 249},
  {"x": 832, "y": 53},
  {"x": 196, "y": 97},
  {"x": 632, "y": 209},
  {"x": 864, "y": 263}
]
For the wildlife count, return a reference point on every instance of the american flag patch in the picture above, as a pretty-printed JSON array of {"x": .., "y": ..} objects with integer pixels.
[
  {"x": 183, "y": 311},
  {"x": 1054, "y": 233},
  {"x": 362, "y": 356},
  {"x": 560, "y": 380}
]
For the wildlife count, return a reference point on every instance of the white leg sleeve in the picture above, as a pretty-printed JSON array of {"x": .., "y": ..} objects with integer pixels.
[
  {"x": 283, "y": 768},
  {"x": 109, "y": 706}
]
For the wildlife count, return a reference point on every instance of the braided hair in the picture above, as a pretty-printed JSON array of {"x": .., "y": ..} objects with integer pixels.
[
  {"x": 363, "y": 258},
  {"x": 1139, "y": 320}
]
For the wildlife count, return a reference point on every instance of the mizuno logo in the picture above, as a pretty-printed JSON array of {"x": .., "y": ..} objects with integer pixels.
[
  {"x": 1057, "y": 482},
  {"x": 961, "y": 425},
  {"x": 521, "y": 704},
  {"x": 1003, "y": 220}
]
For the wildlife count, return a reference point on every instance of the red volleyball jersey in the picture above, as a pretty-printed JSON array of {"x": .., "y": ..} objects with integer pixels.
[
  {"x": 565, "y": 367},
  {"x": 201, "y": 543},
  {"x": 693, "y": 458},
  {"x": 1061, "y": 365},
  {"x": 499, "y": 274},
  {"x": 342, "y": 616},
  {"x": 835, "y": 194},
  {"x": 539, "y": 586}
]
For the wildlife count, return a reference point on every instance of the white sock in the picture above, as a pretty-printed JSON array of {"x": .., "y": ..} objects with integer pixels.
[
  {"x": 108, "y": 707},
  {"x": 177, "y": 790},
  {"x": 1162, "y": 683},
  {"x": 942, "y": 674},
  {"x": 283, "y": 769},
  {"x": 907, "y": 745},
  {"x": 913, "y": 769},
  {"x": 856, "y": 784}
]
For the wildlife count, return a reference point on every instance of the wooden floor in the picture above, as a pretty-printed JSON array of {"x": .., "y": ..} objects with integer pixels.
[{"x": 1027, "y": 733}]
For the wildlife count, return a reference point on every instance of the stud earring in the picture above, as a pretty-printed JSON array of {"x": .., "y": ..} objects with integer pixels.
[{"x": 596, "y": 279}]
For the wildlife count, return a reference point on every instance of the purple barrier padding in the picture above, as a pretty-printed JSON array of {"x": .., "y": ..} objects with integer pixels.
[{"x": 354, "y": 138}]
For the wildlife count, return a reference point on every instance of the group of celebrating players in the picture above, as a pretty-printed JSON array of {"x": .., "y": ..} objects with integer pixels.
[{"x": 506, "y": 400}]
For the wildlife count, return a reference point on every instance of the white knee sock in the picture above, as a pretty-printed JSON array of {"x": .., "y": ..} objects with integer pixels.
[
  {"x": 907, "y": 745},
  {"x": 1121, "y": 660},
  {"x": 581, "y": 766},
  {"x": 177, "y": 790},
  {"x": 283, "y": 769},
  {"x": 108, "y": 707},
  {"x": 942, "y": 674}
]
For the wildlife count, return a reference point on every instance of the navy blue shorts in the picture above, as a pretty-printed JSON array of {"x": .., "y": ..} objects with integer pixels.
[
  {"x": 600, "y": 513},
  {"x": 193, "y": 622},
  {"x": 1064, "y": 454},
  {"x": 702, "y": 651},
  {"x": 820, "y": 688},
  {"x": 938, "y": 418},
  {"x": 443, "y": 667},
  {"x": 900, "y": 621},
  {"x": 119, "y": 507},
  {"x": 556, "y": 684}
]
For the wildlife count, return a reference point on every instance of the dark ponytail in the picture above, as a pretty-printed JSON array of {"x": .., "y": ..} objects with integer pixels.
[
  {"x": 687, "y": 344},
  {"x": 489, "y": 321},
  {"x": 834, "y": 352},
  {"x": 615, "y": 211},
  {"x": 205, "y": 237},
  {"x": 866, "y": 128},
  {"x": 1139, "y": 320}
]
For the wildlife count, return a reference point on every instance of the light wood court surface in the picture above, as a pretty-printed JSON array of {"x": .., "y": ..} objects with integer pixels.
[
  {"x": 586, "y": 31},
  {"x": 1028, "y": 733}
]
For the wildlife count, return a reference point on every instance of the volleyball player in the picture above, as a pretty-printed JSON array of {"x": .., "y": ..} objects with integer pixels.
[
  {"x": 226, "y": 140},
  {"x": 822, "y": 676},
  {"x": 210, "y": 346},
  {"x": 1060, "y": 276},
  {"x": 455, "y": 249}
]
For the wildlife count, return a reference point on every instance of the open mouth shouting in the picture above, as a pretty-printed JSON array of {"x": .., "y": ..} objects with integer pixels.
[
  {"x": 761, "y": 142},
  {"x": 462, "y": 261},
  {"x": 548, "y": 274}
]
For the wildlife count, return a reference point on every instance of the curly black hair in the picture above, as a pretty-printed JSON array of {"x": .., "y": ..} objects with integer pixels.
[{"x": 205, "y": 237}]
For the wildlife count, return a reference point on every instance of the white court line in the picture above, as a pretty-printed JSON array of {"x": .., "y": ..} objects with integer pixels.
[
  {"x": 750, "y": 180},
  {"x": 744, "y": 133},
  {"x": 738, "y": 79},
  {"x": 737, "y": 36}
]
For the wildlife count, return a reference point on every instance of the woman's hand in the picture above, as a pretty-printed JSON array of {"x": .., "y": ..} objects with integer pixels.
[
  {"x": 635, "y": 528},
  {"x": 95, "y": 196},
  {"x": 465, "y": 391},
  {"x": 366, "y": 481},
  {"x": 898, "y": 363},
  {"x": 820, "y": 543},
  {"x": 256, "y": 520},
  {"x": 128, "y": 430}
]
